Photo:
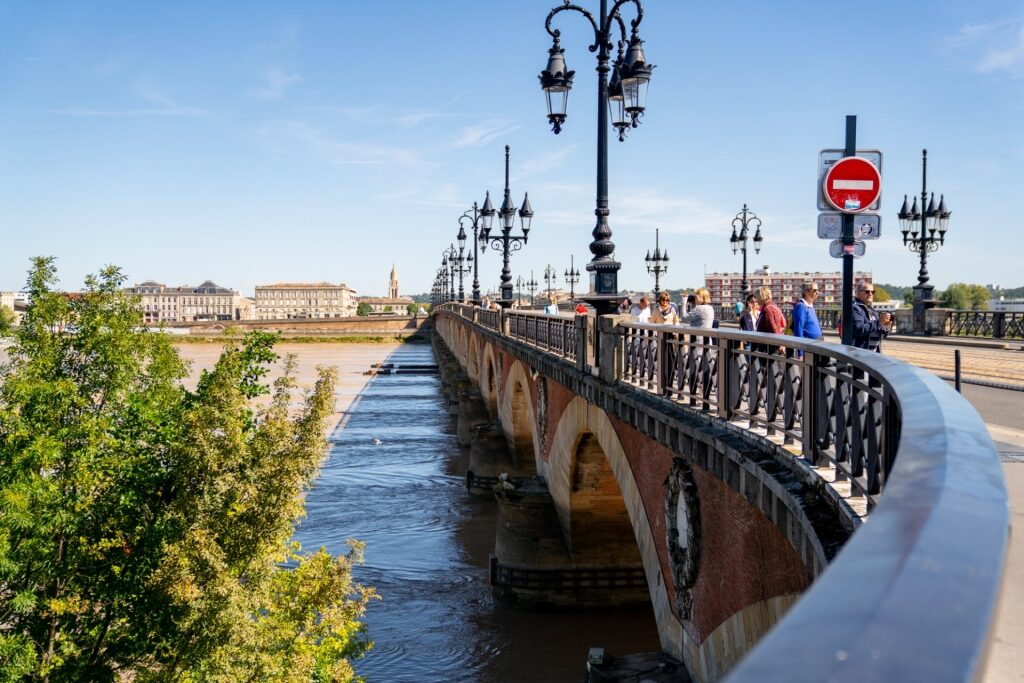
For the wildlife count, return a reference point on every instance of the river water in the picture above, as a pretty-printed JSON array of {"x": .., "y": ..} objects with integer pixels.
[{"x": 428, "y": 541}]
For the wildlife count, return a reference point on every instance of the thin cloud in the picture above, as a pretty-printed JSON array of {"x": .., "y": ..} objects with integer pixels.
[
  {"x": 320, "y": 145},
  {"x": 547, "y": 161},
  {"x": 275, "y": 82},
  {"x": 994, "y": 47},
  {"x": 485, "y": 132}
]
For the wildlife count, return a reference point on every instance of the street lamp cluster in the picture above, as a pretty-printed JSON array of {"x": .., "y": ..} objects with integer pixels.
[
  {"x": 924, "y": 231},
  {"x": 624, "y": 98},
  {"x": 657, "y": 263},
  {"x": 744, "y": 219}
]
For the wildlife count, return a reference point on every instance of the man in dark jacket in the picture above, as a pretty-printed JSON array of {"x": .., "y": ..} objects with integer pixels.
[{"x": 869, "y": 329}]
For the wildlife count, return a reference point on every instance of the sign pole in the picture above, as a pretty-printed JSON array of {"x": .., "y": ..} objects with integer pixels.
[{"x": 851, "y": 150}]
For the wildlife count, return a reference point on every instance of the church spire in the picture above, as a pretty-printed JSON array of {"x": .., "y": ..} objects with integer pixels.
[{"x": 393, "y": 284}]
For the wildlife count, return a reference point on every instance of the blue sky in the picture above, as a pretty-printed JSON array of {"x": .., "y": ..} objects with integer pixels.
[{"x": 325, "y": 140}]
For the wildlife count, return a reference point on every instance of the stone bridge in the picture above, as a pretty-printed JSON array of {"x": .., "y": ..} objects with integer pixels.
[{"x": 780, "y": 503}]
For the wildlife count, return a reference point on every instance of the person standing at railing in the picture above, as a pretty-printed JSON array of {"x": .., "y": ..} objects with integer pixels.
[
  {"x": 552, "y": 307},
  {"x": 805, "y": 320},
  {"x": 626, "y": 307},
  {"x": 748, "y": 317},
  {"x": 665, "y": 313},
  {"x": 703, "y": 313},
  {"x": 869, "y": 329},
  {"x": 643, "y": 310}
]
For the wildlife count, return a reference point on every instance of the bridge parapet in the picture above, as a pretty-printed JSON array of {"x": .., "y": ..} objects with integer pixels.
[{"x": 912, "y": 594}]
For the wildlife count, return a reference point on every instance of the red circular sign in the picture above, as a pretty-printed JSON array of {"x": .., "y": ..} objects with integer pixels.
[{"x": 852, "y": 184}]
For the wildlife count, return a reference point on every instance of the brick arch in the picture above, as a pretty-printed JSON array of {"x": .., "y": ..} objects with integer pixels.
[
  {"x": 489, "y": 380},
  {"x": 518, "y": 420},
  {"x": 584, "y": 445},
  {"x": 473, "y": 367}
]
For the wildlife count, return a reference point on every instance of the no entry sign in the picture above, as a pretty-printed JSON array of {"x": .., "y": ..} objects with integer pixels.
[{"x": 852, "y": 184}]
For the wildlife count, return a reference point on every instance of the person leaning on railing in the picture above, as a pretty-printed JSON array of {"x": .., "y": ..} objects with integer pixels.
[{"x": 665, "y": 313}]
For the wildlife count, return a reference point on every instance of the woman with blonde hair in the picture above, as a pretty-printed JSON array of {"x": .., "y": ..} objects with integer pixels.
[
  {"x": 771, "y": 318},
  {"x": 665, "y": 313},
  {"x": 703, "y": 314}
]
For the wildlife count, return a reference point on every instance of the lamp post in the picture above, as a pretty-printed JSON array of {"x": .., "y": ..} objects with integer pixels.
[
  {"x": 572, "y": 276},
  {"x": 657, "y": 263},
  {"x": 550, "y": 275},
  {"x": 506, "y": 240},
  {"x": 919, "y": 227},
  {"x": 744, "y": 219},
  {"x": 480, "y": 219},
  {"x": 519, "y": 289},
  {"x": 624, "y": 98},
  {"x": 531, "y": 285},
  {"x": 461, "y": 260}
]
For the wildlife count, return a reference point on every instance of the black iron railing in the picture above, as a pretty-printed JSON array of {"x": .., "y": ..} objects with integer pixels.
[
  {"x": 558, "y": 334},
  {"x": 992, "y": 324}
]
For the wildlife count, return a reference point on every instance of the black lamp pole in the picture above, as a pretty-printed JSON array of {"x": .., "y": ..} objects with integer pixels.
[
  {"x": 519, "y": 288},
  {"x": 461, "y": 261},
  {"x": 572, "y": 276},
  {"x": 625, "y": 96},
  {"x": 919, "y": 227},
  {"x": 549, "y": 277},
  {"x": 744, "y": 219},
  {"x": 531, "y": 285},
  {"x": 480, "y": 219},
  {"x": 507, "y": 241},
  {"x": 657, "y": 263}
]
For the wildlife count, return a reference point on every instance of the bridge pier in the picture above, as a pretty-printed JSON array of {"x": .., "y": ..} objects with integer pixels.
[
  {"x": 488, "y": 460},
  {"x": 473, "y": 414},
  {"x": 532, "y": 566}
]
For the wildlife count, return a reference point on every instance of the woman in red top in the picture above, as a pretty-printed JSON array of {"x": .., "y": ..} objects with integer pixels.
[{"x": 771, "y": 318}]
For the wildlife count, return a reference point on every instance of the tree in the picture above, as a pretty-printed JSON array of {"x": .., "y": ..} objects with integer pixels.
[
  {"x": 881, "y": 294},
  {"x": 965, "y": 297},
  {"x": 389, "y": 309},
  {"x": 7, "y": 320},
  {"x": 143, "y": 526},
  {"x": 363, "y": 309}
]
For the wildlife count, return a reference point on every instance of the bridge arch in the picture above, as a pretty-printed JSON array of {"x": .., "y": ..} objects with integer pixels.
[
  {"x": 473, "y": 367},
  {"x": 489, "y": 380},
  {"x": 518, "y": 419},
  {"x": 592, "y": 484}
]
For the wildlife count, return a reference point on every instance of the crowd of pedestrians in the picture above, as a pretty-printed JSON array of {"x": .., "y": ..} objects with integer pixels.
[{"x": 759, "y": 312}]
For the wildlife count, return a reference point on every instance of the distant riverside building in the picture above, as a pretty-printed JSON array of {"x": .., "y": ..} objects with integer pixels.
[
  {"x": 209, "y": 301},
  {"x": 304, "y": 300},
  {"x": 727, "y": 288},
  {"x": 392, "y": 303},
  {"x": 1006, "y": 305}
]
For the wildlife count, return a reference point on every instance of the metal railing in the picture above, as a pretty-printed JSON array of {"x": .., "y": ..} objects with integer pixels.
[
  {"x": 558, "y": 334},
  {"x": 822, "y": 401},
  {"x": 828, "y": 317},
  {"x": 991, "y": 324}
]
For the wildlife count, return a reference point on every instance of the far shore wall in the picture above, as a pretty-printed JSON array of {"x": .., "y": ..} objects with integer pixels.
[{"x": 368, "y": 326}]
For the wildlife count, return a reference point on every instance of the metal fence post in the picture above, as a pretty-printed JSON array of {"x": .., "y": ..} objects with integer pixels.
[
  {"x": 724, "y": 376},
  {"x": 808, "y": 407},
  {"x": 998, "y": 324},
  {"x": 582, "y": 339}
]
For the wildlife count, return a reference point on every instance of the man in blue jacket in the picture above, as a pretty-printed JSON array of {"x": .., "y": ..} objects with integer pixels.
[
  {"x": 869, "y": 329},
  {"x": 805, "y": 320}
]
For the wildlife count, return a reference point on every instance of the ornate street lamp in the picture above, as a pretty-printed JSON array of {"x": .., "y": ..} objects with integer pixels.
[
  {"x": 531, "y": 285},
  {"x": 924, "y": 231},
  {"x": 480, "y": 220},
  {"x": 572, "y": 276},
  {"x": 519, "y": 288},
  {"x": 506, "y": 241},
  {"x": 744, "y": 219},
  {"x": 624, "y": 98},
  {"x": 657, "y": 263},
  {"x": 550, "y": 275},
  {"x": 460, "y": 261}
]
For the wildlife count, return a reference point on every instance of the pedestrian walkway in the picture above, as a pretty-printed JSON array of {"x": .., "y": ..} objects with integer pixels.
[{"x": 1003, "y": 367}]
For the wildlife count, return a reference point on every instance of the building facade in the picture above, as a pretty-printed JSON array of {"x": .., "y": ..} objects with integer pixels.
[
  {"x": 304, "y": 300},
  {"x": 393, "y": 302},
  {"x": 162, "y": 304},
  {"x": 727, "y": 288}
]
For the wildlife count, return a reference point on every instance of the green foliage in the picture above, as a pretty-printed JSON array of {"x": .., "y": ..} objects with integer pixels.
[
  {"x": 965, "y": 297},
  {"x": 389, "y": 309},
  {"x": 881, "y": 294},
  {"x": 143, "y": 526},
  {"x": 7, "y": 320},
  {"x": 363, "y": 309}
]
